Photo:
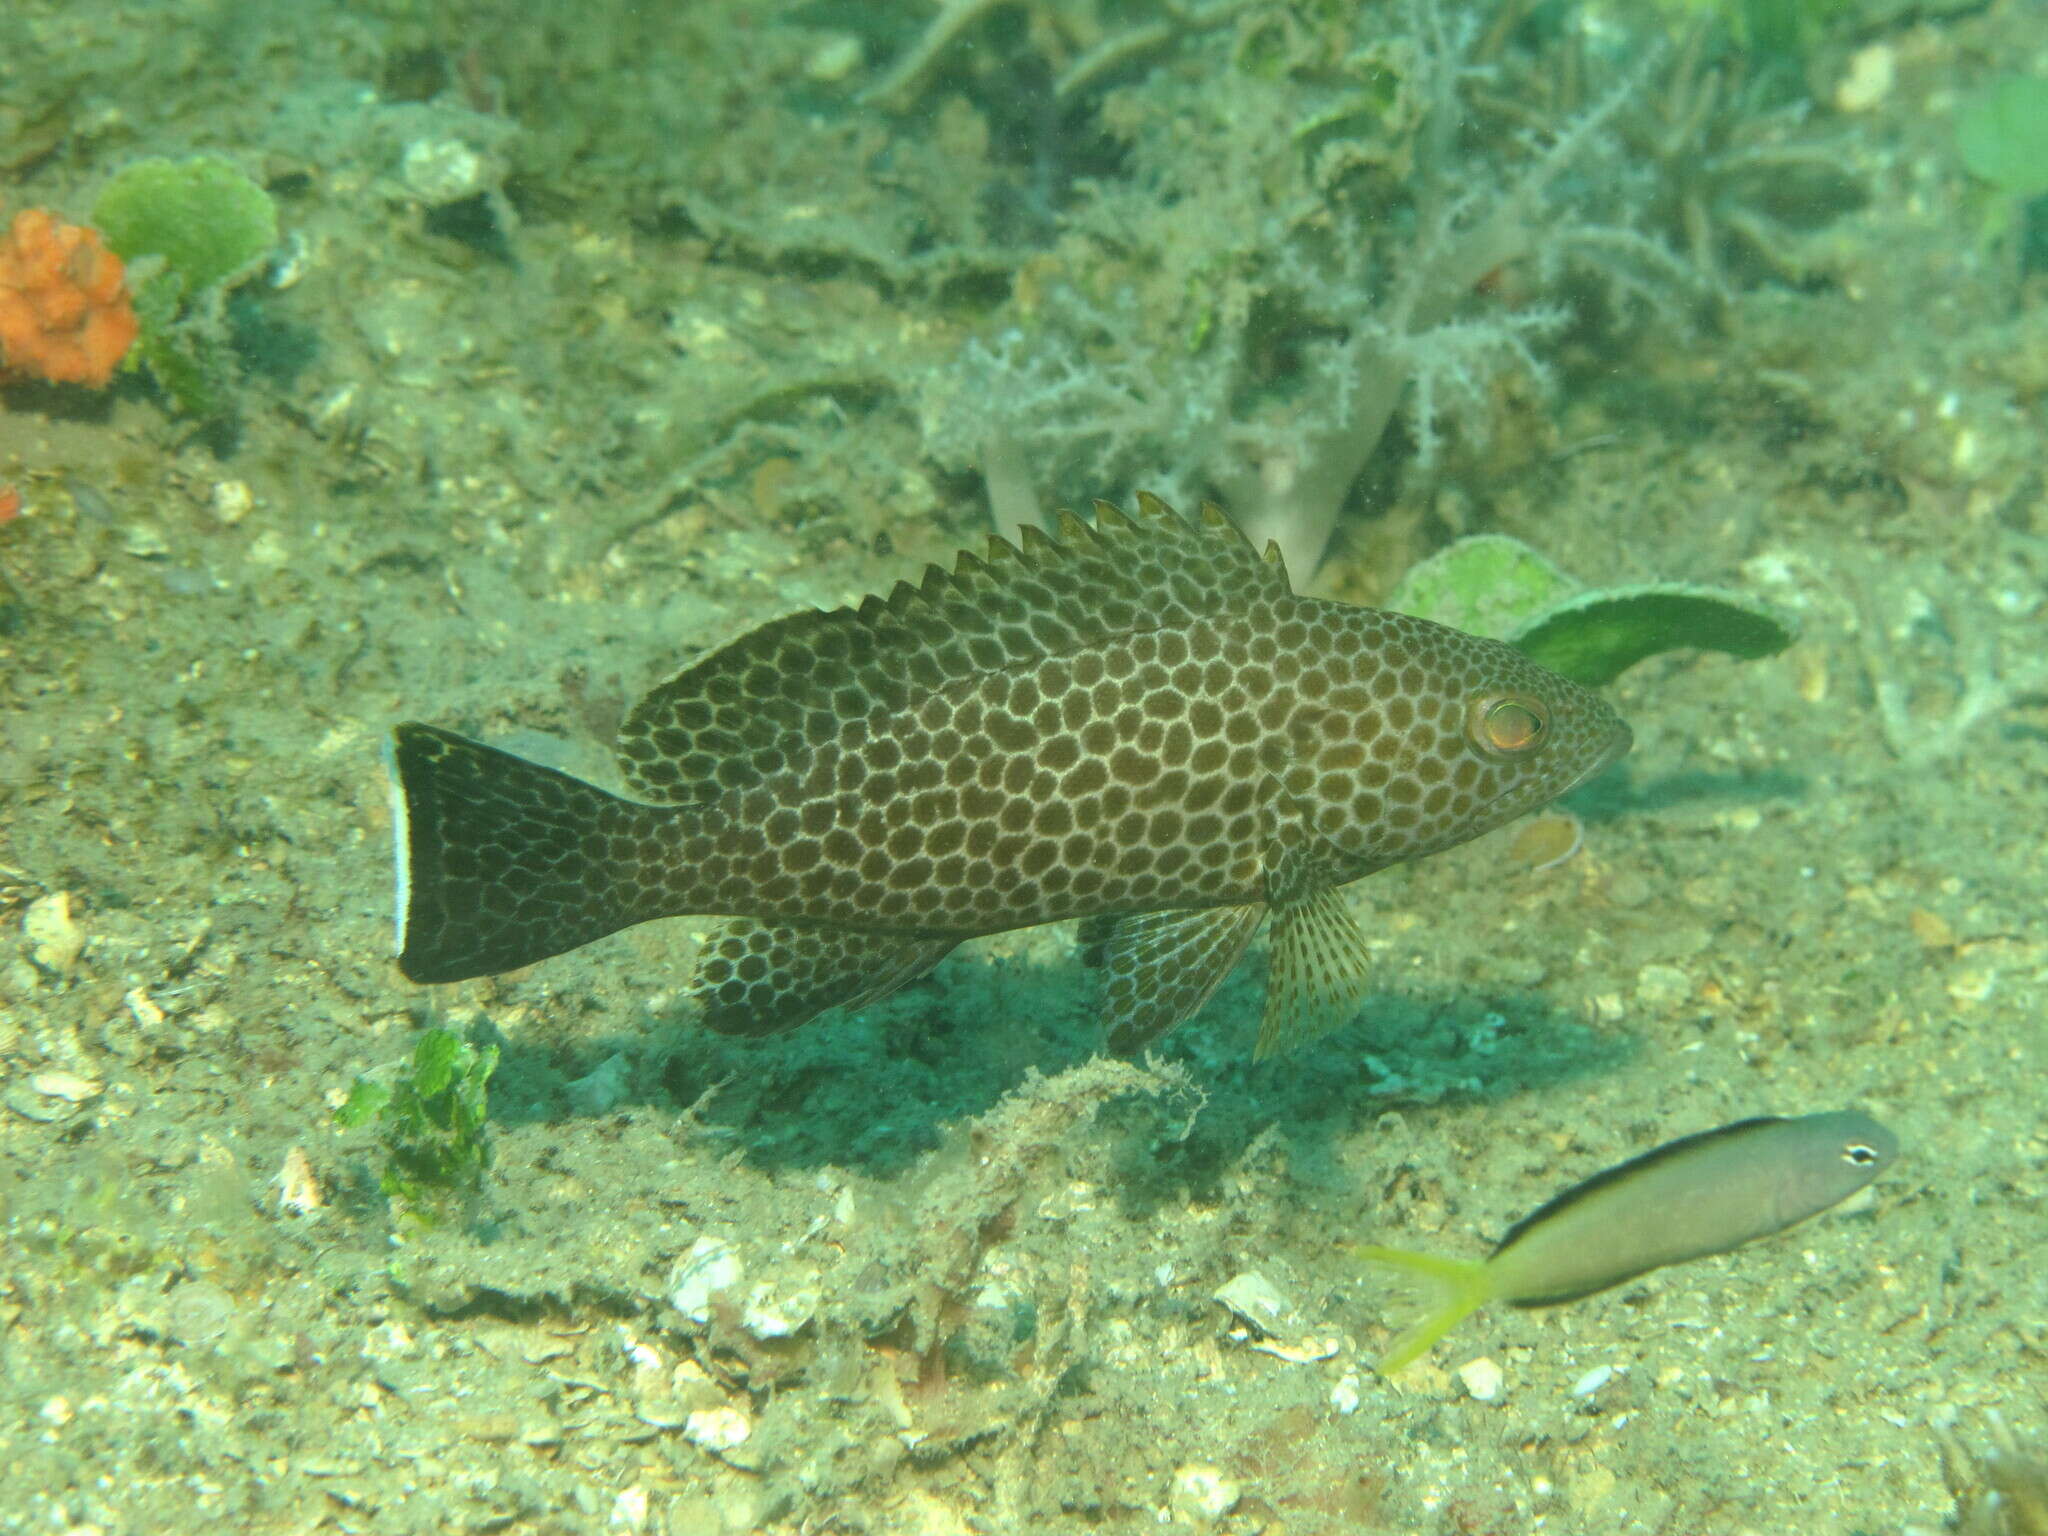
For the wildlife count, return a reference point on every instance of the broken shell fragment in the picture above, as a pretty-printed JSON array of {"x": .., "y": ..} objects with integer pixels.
[
  {"x": 711, "y": 1267},
  {"x": 1255, "y": 1301},
  {"x": 768, "y": 1315},
  {"x": 68, "y": 1086},
  {"x": 1300, "y": 1351},
  {"x": 55, "y": 940},
  {"x": 297, "y": 1189},
  {"x": 1267, "y": 1321}
]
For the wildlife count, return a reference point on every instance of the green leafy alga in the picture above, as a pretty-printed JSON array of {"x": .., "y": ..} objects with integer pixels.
[{"x": 431, "y": 1124}]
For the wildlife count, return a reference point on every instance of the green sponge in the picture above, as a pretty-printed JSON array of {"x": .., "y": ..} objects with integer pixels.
[
  {"x": 1486, "y": 584},
  {"x": 210, "y": 225},
  {"x": 206, "y": 219}
]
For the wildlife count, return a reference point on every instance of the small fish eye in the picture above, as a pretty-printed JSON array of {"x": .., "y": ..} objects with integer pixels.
[
  {"x": 1856, "y": 1152},
  {"x": 1507, "y": 726}
]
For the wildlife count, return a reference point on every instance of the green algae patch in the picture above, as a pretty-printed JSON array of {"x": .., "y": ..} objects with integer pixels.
[
  {"x": 1594, "y": 637},
  {"x": 1496, "y": 586},
  {"x": 430, "y": 1121}
]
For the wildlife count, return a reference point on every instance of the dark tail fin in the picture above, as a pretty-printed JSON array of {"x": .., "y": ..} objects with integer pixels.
[{"x": 502, "y": 862}]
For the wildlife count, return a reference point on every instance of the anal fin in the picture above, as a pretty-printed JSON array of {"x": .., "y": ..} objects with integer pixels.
[
  {"x": 762, "y": 978},
  {"x": 1317, "y": 973},
  {"x": 1160, "y": 967}
]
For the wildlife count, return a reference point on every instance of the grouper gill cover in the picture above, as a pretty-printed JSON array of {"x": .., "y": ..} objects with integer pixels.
[{"x": 1136, "y": 723}]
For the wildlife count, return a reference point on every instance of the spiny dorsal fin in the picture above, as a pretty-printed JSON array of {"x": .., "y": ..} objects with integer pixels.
[{"x": 752, "y": 707}]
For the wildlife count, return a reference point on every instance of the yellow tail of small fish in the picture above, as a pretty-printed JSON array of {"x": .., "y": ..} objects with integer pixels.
[{"x": 1453, "y": 1290}]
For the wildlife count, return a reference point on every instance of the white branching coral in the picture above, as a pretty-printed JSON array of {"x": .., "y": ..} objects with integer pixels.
[{"x": 1287, "y": 265}]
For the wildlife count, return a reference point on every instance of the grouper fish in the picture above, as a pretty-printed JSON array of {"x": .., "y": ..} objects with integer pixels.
[{"x": 1134, "y": 722}]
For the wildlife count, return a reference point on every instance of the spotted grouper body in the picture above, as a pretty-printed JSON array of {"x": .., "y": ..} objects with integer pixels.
[{"x": 1137, "y": 724}]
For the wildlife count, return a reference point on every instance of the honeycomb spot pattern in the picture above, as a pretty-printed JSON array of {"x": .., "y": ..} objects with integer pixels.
[{"x": 1135, "y": 722}]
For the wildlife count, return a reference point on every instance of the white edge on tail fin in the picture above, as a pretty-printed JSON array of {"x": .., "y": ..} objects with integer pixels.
[{"x": 401, "y": 844}]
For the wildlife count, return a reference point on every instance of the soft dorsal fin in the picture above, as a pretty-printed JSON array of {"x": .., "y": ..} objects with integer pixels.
[{"x": 750, "y": 708}]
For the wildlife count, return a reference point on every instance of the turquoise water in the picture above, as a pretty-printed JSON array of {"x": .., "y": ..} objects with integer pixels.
[{"x": 594, "y": 336}]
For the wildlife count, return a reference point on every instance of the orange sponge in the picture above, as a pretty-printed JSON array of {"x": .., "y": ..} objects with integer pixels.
[{"x": 64, "y": 312}]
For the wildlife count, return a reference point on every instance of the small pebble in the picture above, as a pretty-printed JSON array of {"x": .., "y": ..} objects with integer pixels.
[
  {"x": 294, "y": 257},
  {"x": 1868, "y": 80},
  {"x": 717, "y": 1429},
  {"x": 835, "y": 59},
  {"x": 1662, "y": 987},
  {"x": 1204, "y": 1492},
  {"x": 145, "y": 541},
  {"x": 199, "y": 1313},
  {"x": 1931, "y": 929},
  {"x": 1545, "y": 841},
  {"x": 268, "y": 549},
  {"x": 1605, "y": 1008},
  {"x": 629, "y": 1509},
  {"x": 441, "y": 171},
  {"x": 770, "y": 1314},
  {"x": 297, "y": 1188},
  {"x": 1972, "y": 984},
  {"x": 232, "y": 501},
  {"x": 1592, "y": 1381},
  {"x": 1344, "y": 1397},
  {"x": 1482, "y": 1378},
  {"x": 37, "y": 1107}
]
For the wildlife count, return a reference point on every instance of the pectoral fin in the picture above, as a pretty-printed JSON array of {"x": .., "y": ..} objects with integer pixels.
[
  {"x": 1160, "y": 967},
  {"x": 1317, "y": 975},
  {"x": 761, "y": 979}
]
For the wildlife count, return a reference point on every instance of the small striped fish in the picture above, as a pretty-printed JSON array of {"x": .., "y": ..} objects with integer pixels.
[{"x": 1136, "y": 723}]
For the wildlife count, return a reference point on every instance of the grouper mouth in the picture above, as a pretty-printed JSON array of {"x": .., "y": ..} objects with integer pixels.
[
  {"x": 1518, "y": 800},
  {"x": 1617, "y": 748}
]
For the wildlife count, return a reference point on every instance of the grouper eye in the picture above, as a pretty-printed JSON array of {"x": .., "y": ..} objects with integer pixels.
[{"x": 1506, "y": 727}]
